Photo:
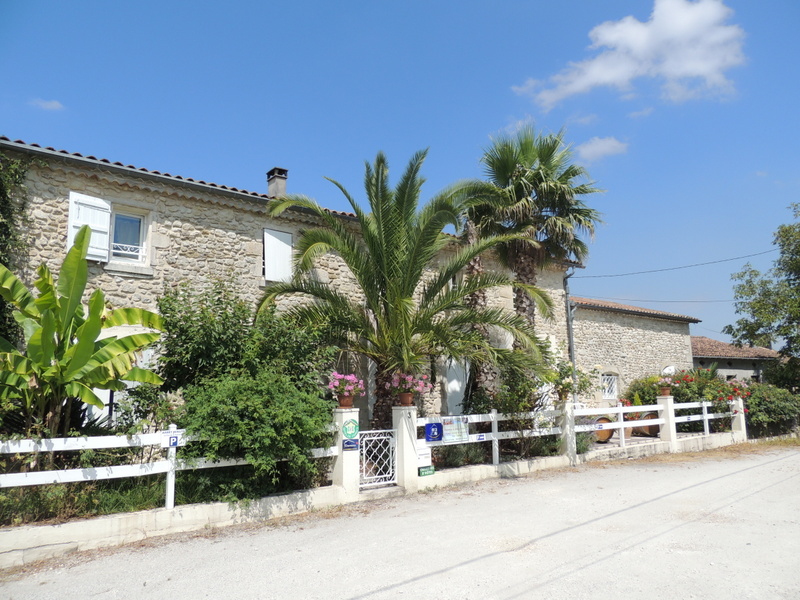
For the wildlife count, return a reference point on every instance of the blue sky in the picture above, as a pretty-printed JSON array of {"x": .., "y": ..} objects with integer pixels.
[{"x": 683, "y": 111}]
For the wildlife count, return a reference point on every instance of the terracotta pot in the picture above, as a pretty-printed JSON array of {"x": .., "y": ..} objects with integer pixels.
[
  {"x": 406, "y": 398},
  {"x": 665, "y": 391},
  {"x": 345, "y": 401}
]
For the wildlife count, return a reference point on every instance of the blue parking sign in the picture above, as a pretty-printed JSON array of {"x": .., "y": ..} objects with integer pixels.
[{"x": 433, "y": 432}]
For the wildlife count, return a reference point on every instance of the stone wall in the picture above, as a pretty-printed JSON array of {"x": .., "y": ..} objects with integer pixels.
[
  {"x": 193, "y": 235},
  {"x": 628, "y": 345}
]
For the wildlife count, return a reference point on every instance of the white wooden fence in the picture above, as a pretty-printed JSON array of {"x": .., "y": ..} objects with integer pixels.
[
  {"x": 537, "y": 418},
  {"x": 170, "y": 465}
]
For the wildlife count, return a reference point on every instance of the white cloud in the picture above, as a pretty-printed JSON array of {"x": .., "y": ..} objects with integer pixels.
[
  {"x": 597, "y": 148},
  {"x": 645, "y": 112},
  {"x": 685, "y": 45},
  {"x": 584, "y": 119},
  {"x": 47, "y": 104}
]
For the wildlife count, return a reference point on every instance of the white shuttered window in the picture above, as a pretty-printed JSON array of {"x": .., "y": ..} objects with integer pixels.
[
  {"x": 277, "y": 255},
  {"x": 96, "y": 213}
]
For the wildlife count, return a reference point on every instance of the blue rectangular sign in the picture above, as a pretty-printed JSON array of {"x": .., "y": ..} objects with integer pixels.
[
  {"x": 433, "y": 432},
  {"x": 350, "y": 444}
]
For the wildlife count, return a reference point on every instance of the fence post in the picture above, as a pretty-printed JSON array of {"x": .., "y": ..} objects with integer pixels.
[
  {"x": 495, "y": 441},
  {"x": 569, "y": 445},
  {"x": 404, "y": 421},
  {"x": 621, "y": 421},
  {"x": 706, "y": 428},
  {"x": 738, "y": 423},
  {"x": 347, "y": 464},
  {"x": 171, "y": 455},
  {"x": 669, "y": 430}
]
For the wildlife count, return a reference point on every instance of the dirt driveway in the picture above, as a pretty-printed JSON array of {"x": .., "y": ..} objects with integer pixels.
[{"x": 724, "y": 525}]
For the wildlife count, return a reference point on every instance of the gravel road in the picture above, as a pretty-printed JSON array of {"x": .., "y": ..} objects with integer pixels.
[{"x": 724, "y": 524}]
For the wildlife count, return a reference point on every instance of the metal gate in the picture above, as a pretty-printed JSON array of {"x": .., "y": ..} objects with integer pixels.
[{"x": 378, "y": 458}]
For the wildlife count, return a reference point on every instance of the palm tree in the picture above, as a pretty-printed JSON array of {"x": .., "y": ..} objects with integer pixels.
[
  {"x": 538, "y": 195},
  {"x": 410, "y": 307}
]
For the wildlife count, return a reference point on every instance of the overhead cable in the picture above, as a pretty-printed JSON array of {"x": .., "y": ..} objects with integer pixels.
[{"x": 713, "y": 262}]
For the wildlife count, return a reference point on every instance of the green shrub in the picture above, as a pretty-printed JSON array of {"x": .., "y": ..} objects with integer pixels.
[
  {"x": 459, "y": 455},
  {"x": 771, "y": 410},
  {"x": 262, "y": 419}
]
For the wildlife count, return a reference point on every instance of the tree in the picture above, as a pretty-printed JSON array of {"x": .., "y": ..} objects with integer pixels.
[
  {"x": 536, "y": 193},
  {"x": 64, "y": 359},
  {"x": 533, "y": 191},
  {"x": 410, "y": 307},
  {"x": 769, "y": 305}
]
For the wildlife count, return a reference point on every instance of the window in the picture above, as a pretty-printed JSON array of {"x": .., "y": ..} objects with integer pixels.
[
  {"x": 128, "y": 239},
  {"x": 118, "y": 235},
  {"x": 277, "y": 255},
  {"x": 609, "y": 382}
]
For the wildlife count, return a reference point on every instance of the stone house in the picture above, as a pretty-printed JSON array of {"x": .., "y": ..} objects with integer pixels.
[
  {"x": 153, "y": 230},
  {"x": 733, "y": 362},
  {"x": 625, "y": 342}
]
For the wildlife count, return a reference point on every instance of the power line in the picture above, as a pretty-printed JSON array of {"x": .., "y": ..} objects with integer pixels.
[{"x": 713, "y": 262}]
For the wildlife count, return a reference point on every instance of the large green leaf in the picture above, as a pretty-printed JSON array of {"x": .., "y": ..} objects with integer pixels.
[
  {"x": 72, "y": 279},
  {"x": 41, "y": 345},
  {"x": 76, "y": 357},
  {"x": 132, "y": 316},
  {"x": 48, "y": 298},
  {"x": 116, "y": 358},
  {"x": 78, "y": 390},
  {"x": 143, "y": 376},
  {"x": 13, "y": 291}
]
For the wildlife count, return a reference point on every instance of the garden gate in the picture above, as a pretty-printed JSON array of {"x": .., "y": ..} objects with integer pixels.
[{"x": 377, "y": 450}]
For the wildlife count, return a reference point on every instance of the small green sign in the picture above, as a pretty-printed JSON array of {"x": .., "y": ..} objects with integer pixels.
[
  {"x": 426, "y": 471},
  {"x": 350, "y": 429}
]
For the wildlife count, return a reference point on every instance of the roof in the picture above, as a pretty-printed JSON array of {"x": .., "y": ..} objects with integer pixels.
[
  {"x": 141, "y": 171},
  {"x": 607, "y": 306},
  {"x": 703, "y": 347}
]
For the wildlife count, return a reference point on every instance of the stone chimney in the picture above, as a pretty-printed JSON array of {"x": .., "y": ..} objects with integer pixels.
[{"x": 276, "y": 182}]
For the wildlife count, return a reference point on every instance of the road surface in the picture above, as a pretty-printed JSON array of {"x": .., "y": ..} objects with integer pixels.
[{"x": 722, "y": 525}]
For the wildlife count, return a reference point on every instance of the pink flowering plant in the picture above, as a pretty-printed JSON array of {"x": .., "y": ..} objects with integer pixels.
[
  {"x": 403, "y": 383},
  {"x": 346, "y": 384}
]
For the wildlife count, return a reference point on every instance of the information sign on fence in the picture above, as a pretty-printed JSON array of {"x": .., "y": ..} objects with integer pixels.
[
  {"x": 350, "y": 429},
  {"x": 350, "y": 444},
  {"x": 455, "y": 430},
  {"x": 173, "y": 438},
  {"x": 433, "y": 432},
  {"x": 424, "y": 458}
]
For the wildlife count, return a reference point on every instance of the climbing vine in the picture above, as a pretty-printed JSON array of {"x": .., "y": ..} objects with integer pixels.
[{"x": 13, "y": 200}]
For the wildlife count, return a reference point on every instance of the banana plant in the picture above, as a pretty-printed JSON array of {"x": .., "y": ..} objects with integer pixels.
[{"x": 65, "y": 358}]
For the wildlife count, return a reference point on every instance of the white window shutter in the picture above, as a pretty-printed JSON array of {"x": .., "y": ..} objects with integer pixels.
[
  {"x": 96, "y": 213},
  {"x": 277, "y": 255}
]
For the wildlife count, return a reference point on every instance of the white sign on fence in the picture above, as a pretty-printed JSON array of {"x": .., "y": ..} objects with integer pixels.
[
  {"x": 455, "y": 430},
  {"x": 173, "y": 438},
  {"x": 424, "y": 457}
]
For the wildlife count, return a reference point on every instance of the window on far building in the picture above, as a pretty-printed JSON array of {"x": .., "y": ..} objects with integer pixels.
[{"x": 277, "y": 255}]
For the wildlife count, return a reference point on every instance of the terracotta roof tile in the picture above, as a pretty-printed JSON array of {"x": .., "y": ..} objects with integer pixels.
[
  {"x": 706, "y": 347},
  {"x": 637, "y": 310}
]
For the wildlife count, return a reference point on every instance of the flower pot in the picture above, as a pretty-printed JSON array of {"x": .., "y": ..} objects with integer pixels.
[
  {"x": 345, "y": 400},
  {"x": 406, "y": 398},
  {"x": 628, "y": 432},
  {"x": 665, "y": 391}
]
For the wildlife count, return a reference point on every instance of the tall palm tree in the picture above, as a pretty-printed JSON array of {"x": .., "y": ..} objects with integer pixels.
[
  {"x": 411, "y": 308},
  {"x": 538, "y": 195}
]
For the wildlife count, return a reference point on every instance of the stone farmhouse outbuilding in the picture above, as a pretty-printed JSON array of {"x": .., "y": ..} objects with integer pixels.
[
  {"x": 153, "y": 230},
  {"x": 733, "y": 362}
]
